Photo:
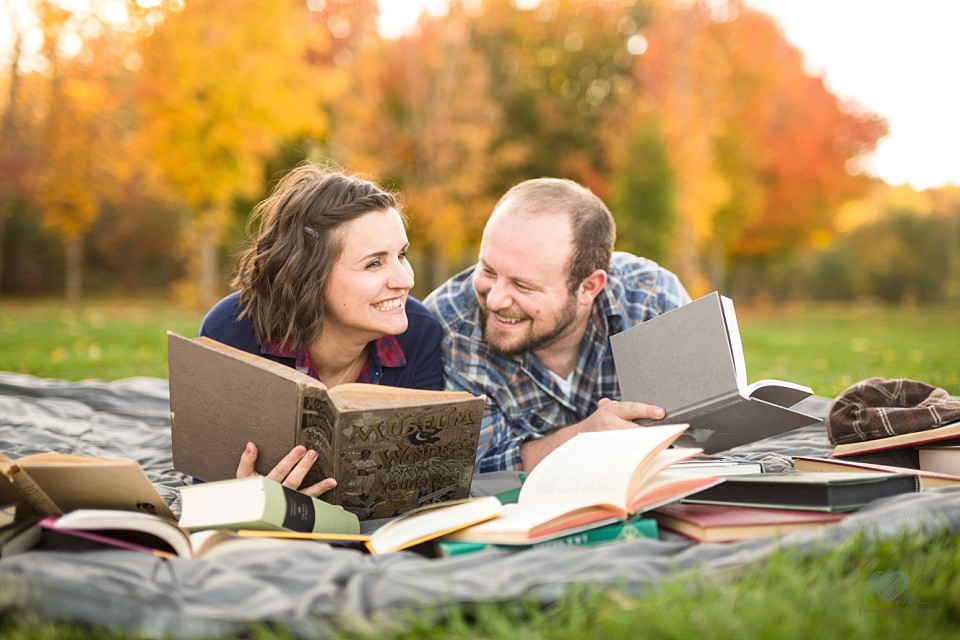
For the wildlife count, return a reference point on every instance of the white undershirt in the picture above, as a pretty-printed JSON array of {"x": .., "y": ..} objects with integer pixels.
[{"x": 565, "y": 384}]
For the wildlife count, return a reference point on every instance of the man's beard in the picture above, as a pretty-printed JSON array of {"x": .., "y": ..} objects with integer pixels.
[{"x": 529, "y": 342}]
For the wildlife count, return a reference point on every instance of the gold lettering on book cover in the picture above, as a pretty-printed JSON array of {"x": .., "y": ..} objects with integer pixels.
[{"x": 397, "y": 459}]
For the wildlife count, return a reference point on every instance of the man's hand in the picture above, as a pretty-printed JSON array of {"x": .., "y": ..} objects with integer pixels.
[
  {"x": 613, "y": 414},
  {"x": 610, "y": 414},
  {"x": 290, "y": 471}
]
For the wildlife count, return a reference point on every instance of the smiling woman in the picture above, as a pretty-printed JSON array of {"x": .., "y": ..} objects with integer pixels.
[{"x": 324, "y": 287}]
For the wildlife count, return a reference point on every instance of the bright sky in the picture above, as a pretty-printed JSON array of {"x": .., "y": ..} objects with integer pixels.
[{"x": 897, "y": 58}]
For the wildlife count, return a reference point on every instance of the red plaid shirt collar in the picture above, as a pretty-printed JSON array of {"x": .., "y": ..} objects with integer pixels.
[{"x": 386, "y": 352}]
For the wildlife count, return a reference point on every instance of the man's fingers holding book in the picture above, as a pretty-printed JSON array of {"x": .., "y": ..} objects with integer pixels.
[{"x": 614, "y": 414}]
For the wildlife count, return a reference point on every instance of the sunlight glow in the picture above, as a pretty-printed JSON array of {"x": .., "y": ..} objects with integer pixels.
[{"x": 399, "y": 17}]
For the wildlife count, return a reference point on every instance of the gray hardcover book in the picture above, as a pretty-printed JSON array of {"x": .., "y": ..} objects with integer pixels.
[{"x": 690, "y": 362}]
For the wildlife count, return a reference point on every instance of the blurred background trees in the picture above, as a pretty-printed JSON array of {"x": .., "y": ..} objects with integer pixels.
[{"x": 137, "y": 134}]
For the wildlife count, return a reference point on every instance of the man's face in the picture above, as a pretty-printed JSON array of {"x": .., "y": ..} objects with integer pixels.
[{"x": 521, "y": 283}]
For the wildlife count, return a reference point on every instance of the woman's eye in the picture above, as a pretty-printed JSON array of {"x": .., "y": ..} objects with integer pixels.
[
  {"x": 374, "y": 264},
  {"x": 402, "y": 255}
]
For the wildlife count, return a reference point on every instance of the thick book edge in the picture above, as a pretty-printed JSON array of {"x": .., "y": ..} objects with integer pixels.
[
  {"x": 928, "y": 479},
  {"x": 946, "y": 433}
]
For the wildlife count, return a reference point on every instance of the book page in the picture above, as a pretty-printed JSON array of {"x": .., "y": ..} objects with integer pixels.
[
  {"x": 736, "y": 345},
  {"x": 356, "y": 395},
  {"x": 596, "y": 466},
  {"x": 522, "y": 523},
  {"x": 778, "y": 392}
]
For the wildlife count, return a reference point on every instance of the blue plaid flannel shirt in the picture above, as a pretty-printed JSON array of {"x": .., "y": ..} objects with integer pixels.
[{"x": 522, "y": 399}]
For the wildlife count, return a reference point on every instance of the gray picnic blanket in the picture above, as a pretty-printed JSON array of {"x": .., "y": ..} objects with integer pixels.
[{"x": 309, "y": 587}]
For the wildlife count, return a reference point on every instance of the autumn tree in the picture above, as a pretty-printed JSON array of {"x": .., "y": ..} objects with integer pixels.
[
  {"x": 222, "y": 85},
  {"x": 15, "y": 156},
  {"x": 76, "y": 84},
  {"x": 422, "y": 121},
  {"x": 760, "y": 150}
]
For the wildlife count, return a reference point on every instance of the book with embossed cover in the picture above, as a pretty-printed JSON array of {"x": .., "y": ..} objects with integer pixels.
[{"x": 390, "y": 449}]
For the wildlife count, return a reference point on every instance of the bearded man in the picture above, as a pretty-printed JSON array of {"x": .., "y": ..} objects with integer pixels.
[{"x": 529, "y": 325}]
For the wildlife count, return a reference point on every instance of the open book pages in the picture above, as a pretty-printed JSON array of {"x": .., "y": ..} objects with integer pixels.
[
  {"x": 142, "y": 532},
  {"x": 593, "y": 479},
  {"x": 408, "y": 530}
]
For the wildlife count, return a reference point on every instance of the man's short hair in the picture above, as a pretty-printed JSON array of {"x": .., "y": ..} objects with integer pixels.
[{"x": 591, "y": 223}]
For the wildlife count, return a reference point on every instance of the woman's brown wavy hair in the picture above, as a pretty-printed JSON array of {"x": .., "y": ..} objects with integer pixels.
[{"x": 283, "y": 272}]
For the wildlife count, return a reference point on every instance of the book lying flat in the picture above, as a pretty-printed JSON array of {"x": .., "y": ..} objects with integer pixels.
[
  {"x": 390, "y": 449},
  {"x": 948, "y": 433},
  {"x": 408, "y": 530},
  {"x": 928, "y": 479},
  {"x": 944, "y": 459},
  {"x": 725, "y": 523},
  {"x": 49, "y": 483},
  {"x": 839, "y": 491},
  {"x": 259, "y": 502},
  {"x": 633, "y": 529},
  {"x": 20, "y": 535},
  {"x": 8, "y": 513},
  {"x": 91, "y": 529},
  {"x": 716, "y": 466},
  {"x": 591, "y": 480},
  {"x": 690, "y": 362}
]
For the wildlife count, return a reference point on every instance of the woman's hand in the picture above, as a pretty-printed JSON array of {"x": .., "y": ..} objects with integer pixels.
[{"x": 290, "y": 471}]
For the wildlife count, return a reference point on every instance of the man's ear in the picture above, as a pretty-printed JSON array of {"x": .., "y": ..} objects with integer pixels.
[{"x": 591, "y": 286}]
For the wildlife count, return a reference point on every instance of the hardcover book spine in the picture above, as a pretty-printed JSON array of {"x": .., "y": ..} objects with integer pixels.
[{"x": 318, "y": 431}]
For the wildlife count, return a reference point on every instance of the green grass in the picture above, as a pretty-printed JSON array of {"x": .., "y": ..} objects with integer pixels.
[
  {"x": 824, "y": 347},
  {"x": 828, "y": 348},
  {"x": 790, "y": 595},
  {"x": 105, "y": 339}
]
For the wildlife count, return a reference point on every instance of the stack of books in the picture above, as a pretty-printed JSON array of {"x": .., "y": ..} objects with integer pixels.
[
  {"x": 18, "y": 533},
  {"x": 757, "y": 505}
]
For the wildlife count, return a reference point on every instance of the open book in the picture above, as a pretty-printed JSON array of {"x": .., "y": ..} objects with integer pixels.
[
  {"x": 408, "y": 530},
  {"x": 690, "y": 362},
  {"x": 390, "y": 449},
  {"x": 135, "y": 531},
  {"x": 50, "y": 483},
  {"x": 591, "y": 480}
]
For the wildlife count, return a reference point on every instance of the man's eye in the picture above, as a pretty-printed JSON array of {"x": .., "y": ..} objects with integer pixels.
[{"x": 521, "y": 287}]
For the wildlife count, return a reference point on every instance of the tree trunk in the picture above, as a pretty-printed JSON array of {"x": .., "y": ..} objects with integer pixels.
[
  {"x": 73, "y": 254},
  {"x": 208, "y": 266}
]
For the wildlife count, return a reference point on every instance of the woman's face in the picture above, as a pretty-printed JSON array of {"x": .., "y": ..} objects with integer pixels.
[{"x": 369, "y": 283}]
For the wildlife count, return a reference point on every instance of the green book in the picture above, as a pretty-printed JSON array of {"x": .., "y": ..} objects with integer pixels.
[
  {"x": 260, "y": 503},
  {"x": 615, "y": 532}
]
